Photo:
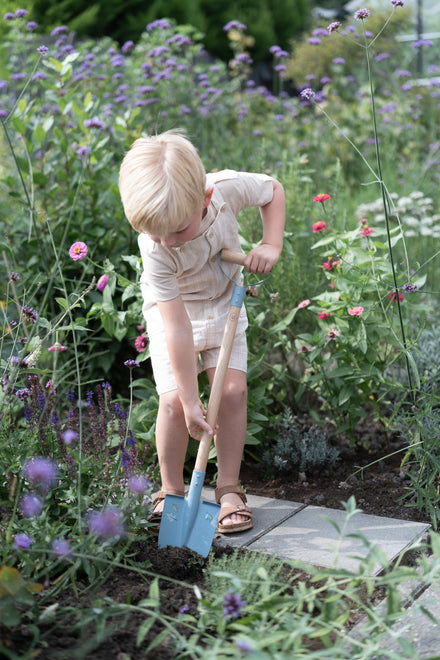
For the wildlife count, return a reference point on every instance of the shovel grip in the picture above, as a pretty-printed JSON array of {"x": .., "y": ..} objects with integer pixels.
[
  {"x": 217, "y": 386},
  {"x": 232, "y": 257}
]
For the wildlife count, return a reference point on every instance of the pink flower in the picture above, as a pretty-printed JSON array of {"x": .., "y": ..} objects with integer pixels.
[
  {"x": 304, "y": 349},
  {"x": 356, "y": 311},
  {"x": 102, "y": 282},
  {"x": 304, "y": 303},
  {"x": 330, "y": 264},
  {"x": 141, "y": 342},
  {"x": 332, "y": 334},
  {"x": 322, "y": 197},
  {"x": 392, "y": 296},
  {"x": 78, "y": 251},
  {"x": 319, "y": 226},
  {"x": 57, "y": 348},
  {"x": 366, "y": 231},
  {"x": 323, "y": 315}
]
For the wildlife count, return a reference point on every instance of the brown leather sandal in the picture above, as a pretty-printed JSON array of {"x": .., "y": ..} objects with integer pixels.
[
  {"x": 226, "y": 511},
  {"x": 155, "y": 517}
]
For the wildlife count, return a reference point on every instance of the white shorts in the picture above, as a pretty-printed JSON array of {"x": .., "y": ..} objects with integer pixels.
[{"x": 208, "y": 319}]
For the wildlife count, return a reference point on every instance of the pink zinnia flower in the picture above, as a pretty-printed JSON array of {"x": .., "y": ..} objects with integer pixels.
[
  {"x": 102, "y": 282},
  {"x": 332, "y": 334},
  {"x": 78, "y": 250},
  {"x": 304, "y": 349},
  {"x": 304, "y": 303},
  {"x": 141, "y": 342},
  {"x": 322, "y": 197},
  {"x": 356, "y": 311},
  {"x": 57, "y": 348},
  {"x": 366, "y": 231},
  {"x": 392, "y": 296},
  {"x": 323, "y": 315},
  {"x": 330, "y": 264},
  {"x": 319, "y": 226}
]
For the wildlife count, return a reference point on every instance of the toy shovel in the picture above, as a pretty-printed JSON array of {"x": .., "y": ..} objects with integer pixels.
[{"x": 188, "y": 522}]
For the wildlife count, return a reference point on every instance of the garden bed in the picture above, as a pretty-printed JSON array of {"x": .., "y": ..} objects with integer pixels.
[{"x": 378, "y": 490}]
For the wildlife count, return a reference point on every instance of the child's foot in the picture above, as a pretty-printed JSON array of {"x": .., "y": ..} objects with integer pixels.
[{"x": 234, "y": 515}]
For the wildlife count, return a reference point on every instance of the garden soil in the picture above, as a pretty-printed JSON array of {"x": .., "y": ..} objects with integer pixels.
[{"x": 369, "y": 468}]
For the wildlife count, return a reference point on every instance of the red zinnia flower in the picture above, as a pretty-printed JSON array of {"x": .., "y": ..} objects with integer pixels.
[
  {"x": 322, "y": 197},
  {"x": 319, "y": 226},
  {"x": 392, "y": 296},
  {"x": 323, "y": 315},
  {"x": 330, "y": 264}
]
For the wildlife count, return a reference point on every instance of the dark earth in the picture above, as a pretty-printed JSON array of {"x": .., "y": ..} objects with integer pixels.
[{"x": 380, "y": 488}]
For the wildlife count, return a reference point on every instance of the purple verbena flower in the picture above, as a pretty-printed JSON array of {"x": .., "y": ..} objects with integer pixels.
[
  {"x": 360, "y": 14},
  {"x": 232, "y": 605},
  {"x": 398, "y": 3},
  {"x": 131, "y": 364},
  {"x": 23, "y": 394},
  {"x": 60, "y": 29},
  {"x": 138, "y": 485},
  {"x": 69, "y": 436},
  {"x": 127, "y": 46},
  {"x": 61, "y": 548},
  {"x": 234, "y": 25},
  {"x": 31, "y": 26},
  {"x": 334, "y": 26},
  {"x": 43, "y": 50},
  {"x": 41, "y": 472},
  {"x": 21, "y": 13},
  {"x": 31, "y": 505},
  {"x": 9, "y": 16},
  {"x": 160, "y": 24},
  {"x": 94, "y": 123},
  {"x": 308, "y": 94},
  {"x": 107, "y": 524},
  {"x": 29, "y": 314},
  {"x": 23, "y": 541}
]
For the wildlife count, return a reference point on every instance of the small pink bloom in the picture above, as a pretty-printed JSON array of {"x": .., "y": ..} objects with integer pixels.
[
  {"x": 330, "y": 264},
  {"x": 392, "y": 296},
  {"x": 102, "y": 282},
  {"x": 319, "y": 226},
  {"x": 304, "y": 349},
  {"x": 141, "y": 342},
  {"x": 57, "y": 348},
  {"x": 322, "y": 197},
  {"x": 332, "y": 334},
  {"x": 78, "y": 251},
  {"x": 366, "y": 231},
  {"x": 323, "y": 315},
  {"x": 356, "y": 311},
  {"x": 304, "y": 303}
]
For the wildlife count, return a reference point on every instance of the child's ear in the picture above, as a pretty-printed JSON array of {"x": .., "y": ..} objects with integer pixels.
[{"x": 208, "y": 195}]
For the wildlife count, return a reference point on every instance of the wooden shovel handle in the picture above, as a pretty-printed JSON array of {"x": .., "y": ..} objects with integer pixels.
[
  {"x": 221, "y": 370},
  {"x": 233, "y": 257}
]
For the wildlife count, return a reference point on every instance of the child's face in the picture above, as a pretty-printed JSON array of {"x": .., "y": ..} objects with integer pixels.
[{"x": 187, "y": 230}]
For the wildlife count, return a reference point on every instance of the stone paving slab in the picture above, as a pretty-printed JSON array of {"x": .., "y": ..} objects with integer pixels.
[
  {"x": 309, "y": 536},
  {"x": 303, "y": 532},
  {"x": 268, "y": 514},
  {"x": 417, "y": 629}
]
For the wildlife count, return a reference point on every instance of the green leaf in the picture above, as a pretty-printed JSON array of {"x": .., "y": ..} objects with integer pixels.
[{"x": 39, "y": 133}]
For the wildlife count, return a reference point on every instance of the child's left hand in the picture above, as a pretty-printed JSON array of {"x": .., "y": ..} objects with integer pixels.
[{"x": 262, "y": 259}]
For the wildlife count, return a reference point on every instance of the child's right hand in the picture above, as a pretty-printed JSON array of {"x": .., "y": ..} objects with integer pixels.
[{"x": 195, "y": 418}]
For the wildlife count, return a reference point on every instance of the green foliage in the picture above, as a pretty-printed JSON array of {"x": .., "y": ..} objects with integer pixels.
[
  {"x": 296, "y": 449},
  {"x": 267, "y": 23}
]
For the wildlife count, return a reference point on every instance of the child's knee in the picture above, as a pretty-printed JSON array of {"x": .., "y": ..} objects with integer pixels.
[
  {"x": 235, "y": 392},
  {"x": 171, "y": 405}
]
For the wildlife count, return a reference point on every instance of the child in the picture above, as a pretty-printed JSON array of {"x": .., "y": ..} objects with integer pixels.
[{"x": 185, "y": 217}]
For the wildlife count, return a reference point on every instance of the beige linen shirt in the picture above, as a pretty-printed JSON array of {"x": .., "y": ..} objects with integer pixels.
[{"x": 192, "y": 270}]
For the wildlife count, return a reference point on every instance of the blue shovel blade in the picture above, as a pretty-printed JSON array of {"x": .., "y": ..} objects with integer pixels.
[
  {"x": 203, "y": 530},
  {"x": 174, "y": 529},
  {"x": 172, "y": 524}
]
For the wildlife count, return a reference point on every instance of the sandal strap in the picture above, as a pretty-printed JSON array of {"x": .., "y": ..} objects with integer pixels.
[
  {"x": 224, "y": 490},
  {"x": 161, "y": 494},
  {"x": 241, "y": 510}
]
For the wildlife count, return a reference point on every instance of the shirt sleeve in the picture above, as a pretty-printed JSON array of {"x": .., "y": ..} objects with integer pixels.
[{"x": 241, "y": 189}]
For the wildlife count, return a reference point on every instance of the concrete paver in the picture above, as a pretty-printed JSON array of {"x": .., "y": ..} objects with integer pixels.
[{"x": 303, "y": 532}]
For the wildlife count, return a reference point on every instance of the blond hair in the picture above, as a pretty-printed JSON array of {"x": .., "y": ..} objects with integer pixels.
[{"x": 162, "y": 182}]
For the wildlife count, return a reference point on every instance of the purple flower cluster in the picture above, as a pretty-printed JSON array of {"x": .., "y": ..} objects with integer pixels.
[
  {"x": 232, "y": 605},
  {"x": 41, "y": 473},
  {"x": 107, "y": 524}
]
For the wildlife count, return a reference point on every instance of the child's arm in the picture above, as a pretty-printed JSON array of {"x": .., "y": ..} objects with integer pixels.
[
  {"x": 180, "y": 344},
  {"x": 263, "y": 258}
]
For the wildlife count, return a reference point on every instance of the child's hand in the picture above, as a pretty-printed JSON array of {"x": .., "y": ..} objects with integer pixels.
[
  {"x": 262, "y": 259},
  {"x": 195, "y": 420}
]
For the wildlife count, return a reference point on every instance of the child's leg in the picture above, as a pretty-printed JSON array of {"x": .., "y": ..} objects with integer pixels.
[
  {"x": 231, "y": 436},
  {"x": 171, "y": 441}
]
